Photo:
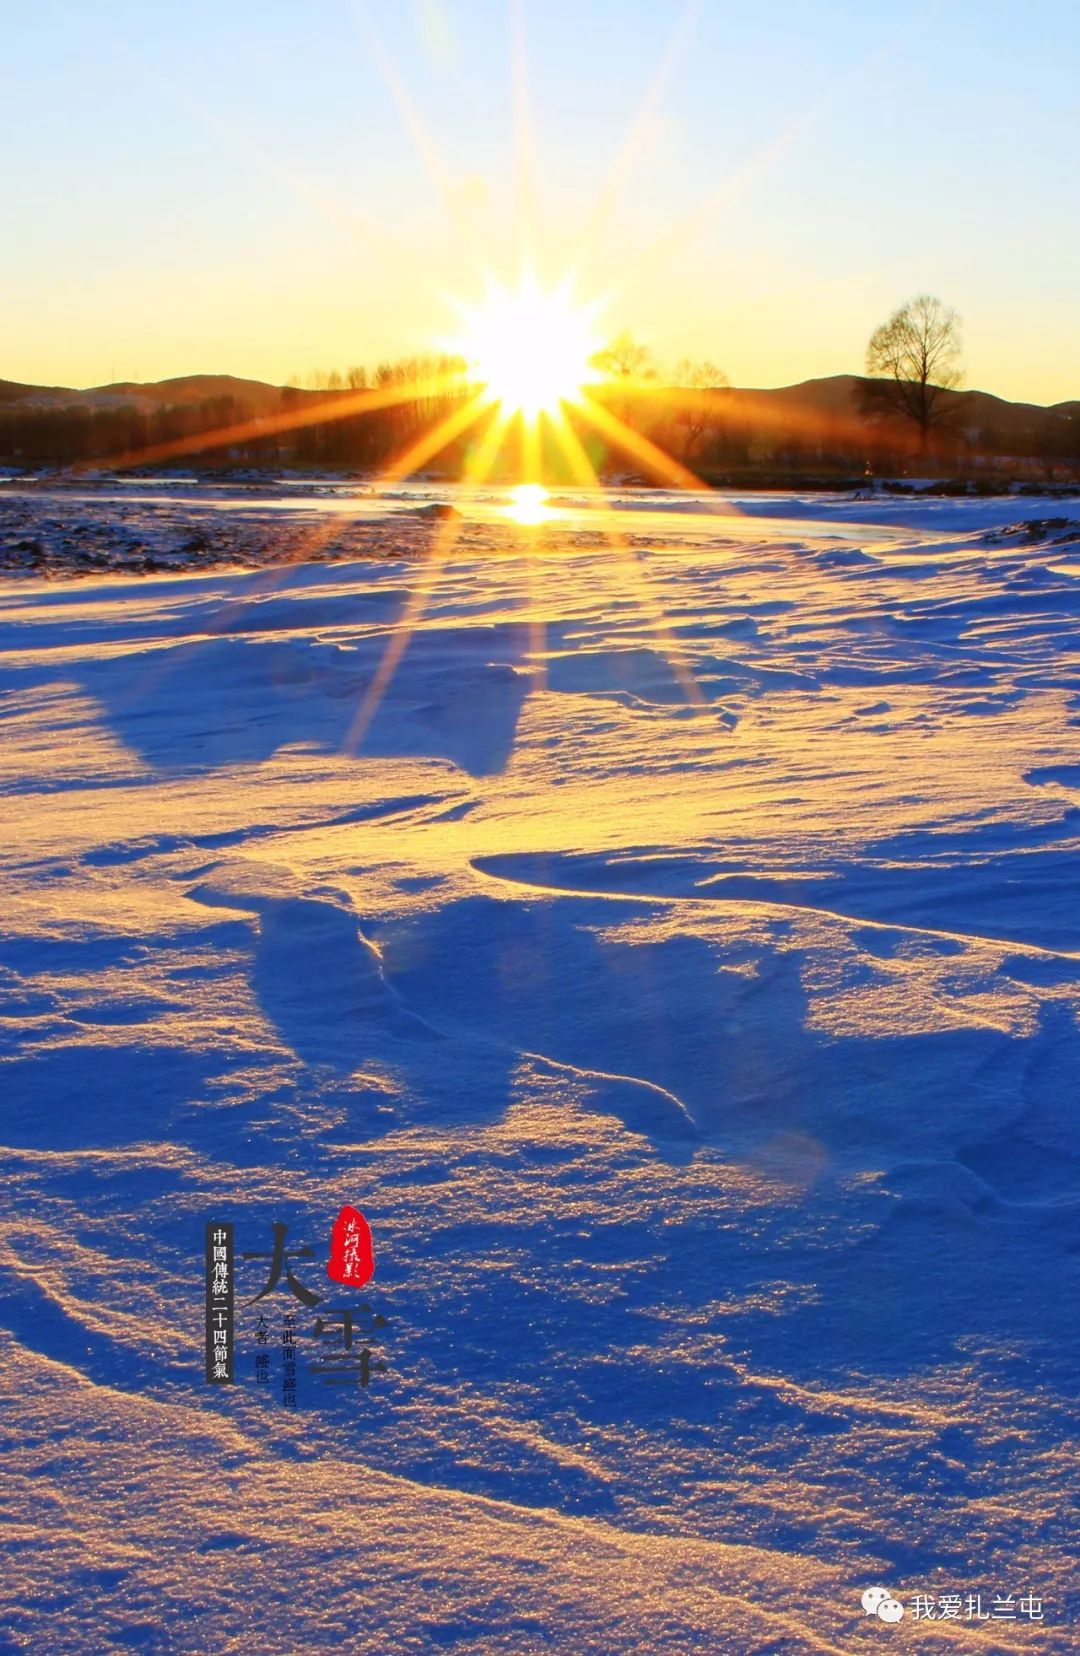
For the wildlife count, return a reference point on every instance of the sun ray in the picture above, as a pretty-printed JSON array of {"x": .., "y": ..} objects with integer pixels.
[
  {"x": 685, "y": 229},
  {"x": 536, "y": 627},
  {"x": 583, "y": 469},
  {"x": 479, "y": 466},
  {"x": 828, "y": 98},
  {"x": 424, "y": 144},
  {"x": 654, "y": 459},
  {"x": 401, "y": 635},
  {"x": 275, "y": 425},
  {"x": 445, "y": 539},
  {"x": 270, "y": 579},
  {"x": 407, "y": 460},
  {"x": 323, "y": 532},
  {"x": 608, "y": 194},
  {"x": 531, "y": 464},
  {"x": 526, "y": 194},
  {"x": 343, "y": 214},
  {"x": 763, "y": 415},
  {"x": 433, "y": 441}
]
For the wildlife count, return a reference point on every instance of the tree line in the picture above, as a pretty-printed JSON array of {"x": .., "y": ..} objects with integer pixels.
[{"x": 907, "y": 413}]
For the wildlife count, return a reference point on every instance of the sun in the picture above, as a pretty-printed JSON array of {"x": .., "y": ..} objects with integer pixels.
[{"x": 530, "y": 348}]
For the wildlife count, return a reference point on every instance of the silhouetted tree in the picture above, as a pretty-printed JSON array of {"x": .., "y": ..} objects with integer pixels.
[
  {"x": 625, "y": 362},
  {"x": 625, "y": 358},
  {"x": 698, "y": 412},
  {"x": 912, "y": 359}
]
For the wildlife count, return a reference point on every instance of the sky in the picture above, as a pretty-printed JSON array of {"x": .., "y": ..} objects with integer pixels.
[{"x": 269, "y": 189}]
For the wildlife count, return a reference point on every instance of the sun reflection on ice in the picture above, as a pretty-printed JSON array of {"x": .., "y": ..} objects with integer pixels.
[{"x": 529, "y": 504}]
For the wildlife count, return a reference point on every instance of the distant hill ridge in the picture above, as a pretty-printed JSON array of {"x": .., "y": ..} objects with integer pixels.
[
  {"x": 835, "y": 394},
  {"x": 815, "y": 420},
  {"x": 167, "y": 393}
]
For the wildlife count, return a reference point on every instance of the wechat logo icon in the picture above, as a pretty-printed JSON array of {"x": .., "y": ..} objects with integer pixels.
[{"x": 878, "y": 1601}]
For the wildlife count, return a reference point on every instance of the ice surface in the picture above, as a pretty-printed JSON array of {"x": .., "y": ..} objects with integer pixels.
[{"x": 679, "y": 966}]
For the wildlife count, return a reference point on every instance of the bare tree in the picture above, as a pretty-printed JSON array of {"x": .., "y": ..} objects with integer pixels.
[
  {"x": 698, "y": 410},
  {"x": 912, "y": 359},
  {"x": 625, "y": 362},
  {"x": 699, "y": 376},
  {"x": 625, "y": 358}
]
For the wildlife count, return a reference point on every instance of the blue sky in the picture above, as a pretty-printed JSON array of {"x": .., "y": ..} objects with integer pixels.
[{"x": 237, "y": 188}]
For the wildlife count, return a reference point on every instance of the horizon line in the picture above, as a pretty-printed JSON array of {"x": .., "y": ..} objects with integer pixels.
[{"x": 639, "y": 386}]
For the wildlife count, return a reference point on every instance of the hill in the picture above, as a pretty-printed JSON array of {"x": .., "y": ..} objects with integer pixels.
[
  {"x": 181, "y": 392},
  {"x": 817, "y": 425},
  {"x": 984, "y": 420}
]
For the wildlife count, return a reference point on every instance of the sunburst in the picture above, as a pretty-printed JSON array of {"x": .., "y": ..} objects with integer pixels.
[
  {"x": 529, "y": 352},
  {"x": 530, "y": 348}
]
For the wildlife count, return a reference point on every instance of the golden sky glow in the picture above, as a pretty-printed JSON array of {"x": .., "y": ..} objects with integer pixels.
[{"x": 279, "y": 195}]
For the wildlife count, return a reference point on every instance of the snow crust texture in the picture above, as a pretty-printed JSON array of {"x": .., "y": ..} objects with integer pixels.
[{"x": 665, "y": 933}]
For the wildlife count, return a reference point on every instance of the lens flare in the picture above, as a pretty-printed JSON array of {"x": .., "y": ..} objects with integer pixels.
[{"x": 529, "y": 348}]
